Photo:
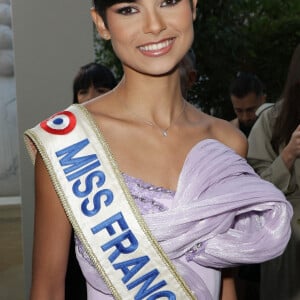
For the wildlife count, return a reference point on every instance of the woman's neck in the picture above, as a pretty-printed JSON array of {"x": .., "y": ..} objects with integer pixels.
[
  {"x": 143, "y": 102},
  {"x": 151, "y": 96}
]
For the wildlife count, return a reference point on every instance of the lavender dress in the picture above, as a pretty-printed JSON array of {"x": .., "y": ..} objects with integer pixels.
[{"x": 221, "y": 215}]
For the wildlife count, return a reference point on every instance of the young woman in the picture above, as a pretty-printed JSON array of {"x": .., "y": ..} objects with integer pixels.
[
  {"x": 92, "y": 80},
  {"x": 141, "y": 149},
  {"x": 274, "y": 152}
]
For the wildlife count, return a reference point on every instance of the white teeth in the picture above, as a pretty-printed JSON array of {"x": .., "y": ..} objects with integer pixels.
[{"x": 155, "y": 47}]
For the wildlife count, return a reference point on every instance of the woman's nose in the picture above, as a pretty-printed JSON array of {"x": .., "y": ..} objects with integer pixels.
[{"x": 154, "y": 22}]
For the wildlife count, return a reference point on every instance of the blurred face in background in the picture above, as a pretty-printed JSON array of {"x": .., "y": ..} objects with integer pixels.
[
  {"x": 246, "y": 107},
  {"x": 90, "y": 93}
]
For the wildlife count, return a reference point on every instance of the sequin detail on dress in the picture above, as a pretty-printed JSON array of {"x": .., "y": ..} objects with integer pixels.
[{"x": 148, "y": 198}]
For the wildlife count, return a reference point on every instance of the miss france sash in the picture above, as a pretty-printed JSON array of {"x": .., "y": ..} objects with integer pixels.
[{"x": 101, "y": 209}]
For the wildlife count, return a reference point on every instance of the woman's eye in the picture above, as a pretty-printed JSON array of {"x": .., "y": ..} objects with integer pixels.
[
  {"x": 169, "y": 3},
  {"x": 82, "y": 92},
  {"x": 128, "y": 10},
  {"x": 102, "y": 90}
]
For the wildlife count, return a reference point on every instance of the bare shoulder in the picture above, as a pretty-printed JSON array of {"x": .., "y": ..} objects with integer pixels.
[
  {"x": 229, "y": 135},
  {"x": 221, "y": 130}
]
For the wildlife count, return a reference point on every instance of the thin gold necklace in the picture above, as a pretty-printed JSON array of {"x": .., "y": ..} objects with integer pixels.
[{"x": 153, "y": 124}]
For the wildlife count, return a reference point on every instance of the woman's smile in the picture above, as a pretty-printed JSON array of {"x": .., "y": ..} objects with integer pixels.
[{"x": 158, "y": 48}]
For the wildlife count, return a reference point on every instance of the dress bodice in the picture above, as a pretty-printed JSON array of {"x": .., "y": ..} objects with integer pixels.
[{"x": 149, "y": 199}]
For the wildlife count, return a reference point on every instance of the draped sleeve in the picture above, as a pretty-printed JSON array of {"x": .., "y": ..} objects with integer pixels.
[{"x": 224, "y": 214}]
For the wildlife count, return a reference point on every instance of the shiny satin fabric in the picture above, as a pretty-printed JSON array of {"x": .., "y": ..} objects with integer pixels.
[
  {"x": 222, "y": 214},
  {"x": 223, "y": 204}
]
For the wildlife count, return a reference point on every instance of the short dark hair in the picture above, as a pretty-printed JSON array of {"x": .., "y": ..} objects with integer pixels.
[
  {"x": 246, "y": 83},
  {"x": 102, "y": 5},
  {"x": 93, "y": 74}
]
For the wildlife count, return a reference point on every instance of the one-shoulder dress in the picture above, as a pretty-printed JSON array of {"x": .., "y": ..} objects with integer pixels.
[{"x": 221, "y": 215}]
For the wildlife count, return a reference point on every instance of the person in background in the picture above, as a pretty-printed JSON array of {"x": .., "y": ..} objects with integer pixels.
[
  {"x": 92, "y": 80},
  {"x": 274, "y": 153},
  {"x": 159, "y": 193},
  {"x": 247, "y": 95}
]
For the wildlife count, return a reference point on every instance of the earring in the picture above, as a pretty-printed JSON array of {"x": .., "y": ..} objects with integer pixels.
[{"x": 106, "y": 36}]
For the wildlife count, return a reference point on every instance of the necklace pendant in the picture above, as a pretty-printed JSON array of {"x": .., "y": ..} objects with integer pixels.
[{"x": 164, "y": 133}]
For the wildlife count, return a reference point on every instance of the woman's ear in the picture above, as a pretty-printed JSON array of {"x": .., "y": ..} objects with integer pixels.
[{"x": 100, "y": 24}]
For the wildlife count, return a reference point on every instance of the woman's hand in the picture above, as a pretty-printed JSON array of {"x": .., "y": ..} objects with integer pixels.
[{"x": 292, "y": 150}]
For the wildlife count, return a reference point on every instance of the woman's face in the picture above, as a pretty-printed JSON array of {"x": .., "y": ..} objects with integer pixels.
[
  {"x": 84, "y": 95},
  {"x": 149, "y": 36}
]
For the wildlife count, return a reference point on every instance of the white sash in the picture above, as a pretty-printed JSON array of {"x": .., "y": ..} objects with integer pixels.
[{"x": 101, "y": 209}]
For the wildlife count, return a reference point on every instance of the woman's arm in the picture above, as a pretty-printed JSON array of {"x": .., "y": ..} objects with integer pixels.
[
  {"x": 52, "y": 232},
  {"x": 228, "y": 290},
  {"x": 236, "y": 141},
  {"x": 266, "y": 162}
]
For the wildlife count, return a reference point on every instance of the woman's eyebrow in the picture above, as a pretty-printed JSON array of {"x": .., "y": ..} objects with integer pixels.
[{"x": 128, "y": 1}]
